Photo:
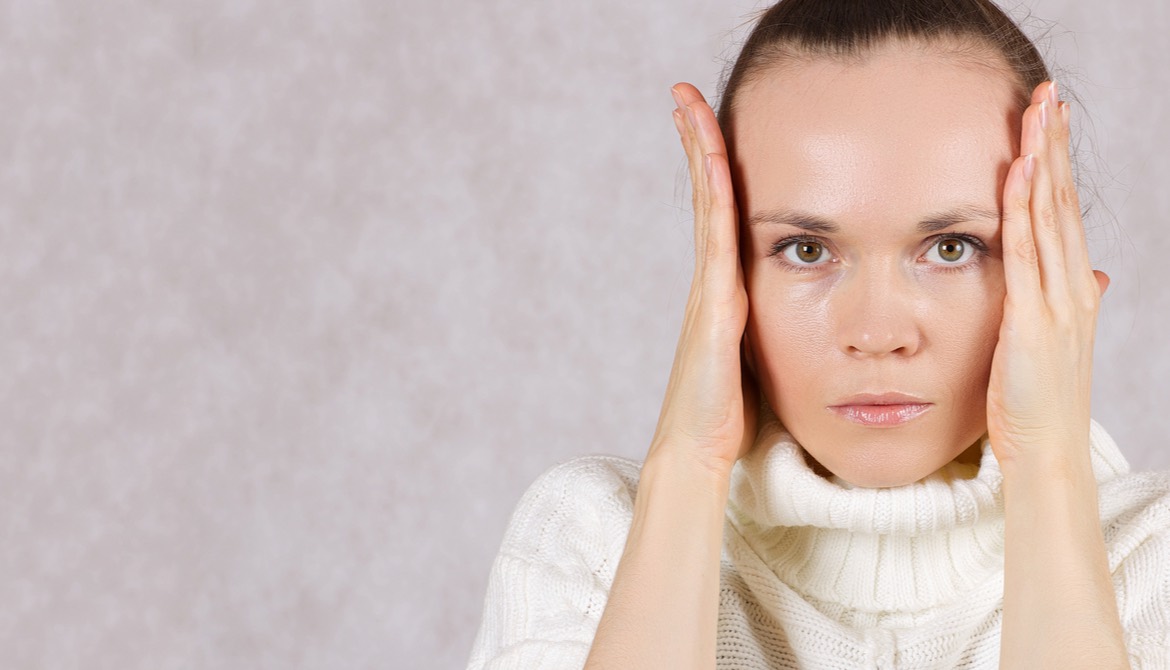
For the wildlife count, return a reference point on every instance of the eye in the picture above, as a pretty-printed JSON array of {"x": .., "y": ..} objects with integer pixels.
[
  {"x": 802, "y": 251},
  {"x": 957, "y": 252},
  {"x": 952, "y": 250}
]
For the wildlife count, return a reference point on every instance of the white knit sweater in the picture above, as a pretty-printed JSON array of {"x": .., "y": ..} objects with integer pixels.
[{"x": 815, "y": 573}]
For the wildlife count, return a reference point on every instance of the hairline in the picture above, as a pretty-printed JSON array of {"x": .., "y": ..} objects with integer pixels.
[{"x": 966, "y": 51}]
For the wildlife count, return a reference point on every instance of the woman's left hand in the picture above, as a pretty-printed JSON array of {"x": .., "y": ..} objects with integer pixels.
[{"x": 1041, "y": 372}]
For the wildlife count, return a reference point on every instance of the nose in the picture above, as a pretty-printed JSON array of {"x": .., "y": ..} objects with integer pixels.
[{"x": 874, "y": 315}]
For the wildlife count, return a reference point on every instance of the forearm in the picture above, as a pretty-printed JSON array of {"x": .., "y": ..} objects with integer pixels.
[
  {"x": 1059, "y": 607},
  {"x": 664, "y": 602}
]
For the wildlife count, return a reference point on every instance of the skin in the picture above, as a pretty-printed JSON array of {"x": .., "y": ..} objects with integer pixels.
[
  {"x": 877, "y": 317},
  {"x": 875, "y": 148}
]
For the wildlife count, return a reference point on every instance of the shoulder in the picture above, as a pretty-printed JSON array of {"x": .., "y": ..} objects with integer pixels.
[
  {"x": 584, "y": 503},
  {"x": 1135, "y": 508},
  {"x": 550, "y": 581},
  {"x": 1136, "y": 522}
]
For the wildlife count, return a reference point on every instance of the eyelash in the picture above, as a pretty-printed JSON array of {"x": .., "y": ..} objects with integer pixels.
[{"x": 977, "y": 257}]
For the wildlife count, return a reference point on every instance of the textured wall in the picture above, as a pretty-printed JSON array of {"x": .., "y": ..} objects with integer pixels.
[{"x": 296, "y": 299}]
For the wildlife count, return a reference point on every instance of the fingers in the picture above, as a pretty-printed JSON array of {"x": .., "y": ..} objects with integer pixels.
[
  {"x": 716, "y": 219},
  {"x": 691, "y": 97},
  {"x": 1021, "y": 265},
  {"x": 1046, "y": 255},
  {"x": 683, "y": 125},
  {"x": 685, "y": 96},
  {"x": 1045, "y": 219},
  {"x": 693, "y": 145},
  {"x": 1064, "y": 192}
]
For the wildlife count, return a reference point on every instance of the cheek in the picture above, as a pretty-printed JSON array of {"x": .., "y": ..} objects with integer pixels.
[
  {"x": 961, "y": 325},
  {"x": 789, "y": 333},
  {"x": 794, "y": 344}
]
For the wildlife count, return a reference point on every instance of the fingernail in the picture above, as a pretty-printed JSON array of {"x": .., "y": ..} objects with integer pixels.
[
  {"x": 677, "y": 98},
  {"x": 1044, "y": 114},
  {"x": 1053, "y": 97},
  {"x": 691, "y": 117},
  {"x": 1064, "y": 113},
  {"x": 678, "y": 122},
  {"x": 1029, "y": 167}
]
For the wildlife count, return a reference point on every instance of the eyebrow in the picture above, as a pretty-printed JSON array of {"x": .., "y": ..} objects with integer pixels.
[{"x": 817, "y": 224}]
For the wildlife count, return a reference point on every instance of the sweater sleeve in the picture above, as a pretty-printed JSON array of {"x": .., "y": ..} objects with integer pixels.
[{"x": 550, "y": 581}]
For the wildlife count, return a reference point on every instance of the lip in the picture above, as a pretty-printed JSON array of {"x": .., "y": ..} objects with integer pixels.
[
  {"x": 888, "y": 398},
  {"x": 881, "y": 409},
  {"x": 881, "y": 415}
]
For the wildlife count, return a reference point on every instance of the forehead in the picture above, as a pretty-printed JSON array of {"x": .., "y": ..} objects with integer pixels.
[{"x": 900, "y": 133}]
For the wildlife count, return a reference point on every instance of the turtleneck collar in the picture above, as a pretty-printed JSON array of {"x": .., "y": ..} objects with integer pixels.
[{"x": 899, "y": 549}]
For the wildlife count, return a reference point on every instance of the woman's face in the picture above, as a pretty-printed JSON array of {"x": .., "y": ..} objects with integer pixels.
[{"x": 869, "y": 203}]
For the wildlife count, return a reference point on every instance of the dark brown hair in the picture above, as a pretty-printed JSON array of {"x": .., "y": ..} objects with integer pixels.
[
  {"x": 800, "y": 30},
  {"x": 976, "y": 31}
]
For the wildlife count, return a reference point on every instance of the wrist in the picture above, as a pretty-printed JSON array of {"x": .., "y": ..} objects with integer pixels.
[
  {"x": 1051, "y": 481},
  {"x": 1054, "y": 460},
  {"x": 690, "y": 469}
]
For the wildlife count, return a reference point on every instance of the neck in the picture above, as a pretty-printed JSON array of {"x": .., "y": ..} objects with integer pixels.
[{"x": 883, "y": 556}]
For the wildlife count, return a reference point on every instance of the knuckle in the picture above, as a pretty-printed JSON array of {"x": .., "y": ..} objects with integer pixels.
[
  {"x": 1048, "y": 219},
  {"x": 1066, "y": 197},
  {"x": 1020, "y": 204},
  {"x": 717, "y": 252},
  {"x": 712, "y": 252},
  {"x": 1025, "y": 251},
  {"x": 1088, "y": 299},
  {"x": 699, "y": 205}
]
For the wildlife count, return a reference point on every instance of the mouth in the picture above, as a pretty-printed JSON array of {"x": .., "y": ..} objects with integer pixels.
[{"x": 881, "y": 415}]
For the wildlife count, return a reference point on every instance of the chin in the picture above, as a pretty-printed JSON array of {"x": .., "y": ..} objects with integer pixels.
[
  {"x": 884, "y": 457},
  {"x": 869, "y": 479}
]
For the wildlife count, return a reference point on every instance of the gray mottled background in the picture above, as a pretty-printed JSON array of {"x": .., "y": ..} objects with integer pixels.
[{"x": 296, "y": 299}]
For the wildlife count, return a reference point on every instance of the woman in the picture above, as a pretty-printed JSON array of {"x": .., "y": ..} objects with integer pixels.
[{"x": 875, "y": 448}]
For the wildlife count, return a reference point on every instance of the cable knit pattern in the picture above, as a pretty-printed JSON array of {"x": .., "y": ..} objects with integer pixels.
[{"x": 816, "y": 573}]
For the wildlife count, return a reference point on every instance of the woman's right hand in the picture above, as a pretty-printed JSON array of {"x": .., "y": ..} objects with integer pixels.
[{"x": 712, "y": 403}]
